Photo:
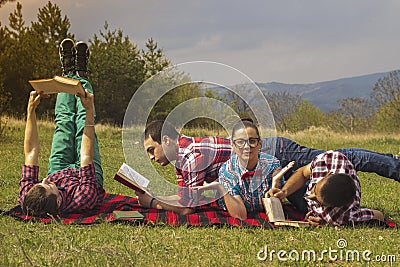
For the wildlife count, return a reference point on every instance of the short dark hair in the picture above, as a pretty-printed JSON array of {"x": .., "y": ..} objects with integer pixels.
[
  {"x": 38, "y": 203},
  {"x": 338, "y": 190},
  {"x": 154, "y": 129},
  {"x": 244, "y": 123}
]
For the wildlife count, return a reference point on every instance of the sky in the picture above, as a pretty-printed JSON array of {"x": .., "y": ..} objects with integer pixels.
[{"x": 289, "y": 41}]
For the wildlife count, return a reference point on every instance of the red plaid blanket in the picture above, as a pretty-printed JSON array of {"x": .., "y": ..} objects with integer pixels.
[
  {"x": 206, "y": 215},
  {"x": 210, "y": 214}
]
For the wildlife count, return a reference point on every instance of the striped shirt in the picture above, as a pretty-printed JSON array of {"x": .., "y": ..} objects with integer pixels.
[
  {"x": 79, "y": 189},
  {"x": 336, "y": 162},
  {"x": 198, "y": 160},
  {"x": 251, "y": 186}
]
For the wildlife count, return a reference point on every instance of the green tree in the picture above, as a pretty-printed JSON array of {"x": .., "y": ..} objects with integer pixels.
[
  {"x": 385, "y": 120},
  {"x": 283, "y": 106},
  {"x": 154, "y": 60},
  {"x": 304, "y": 116},
  {"x": 116, "y": 71},
  {"x": 48, "y": 31},
  {"x": 45, "y": 36},
  {"x": 181, "y": 89},
  {"x": 31, "y": 53},
  {"x": 354, "y": 114},
  {"x": 386, "y": 95},
  {"x": 4, "y": 96},
  {"x": 16, "y": 61}
]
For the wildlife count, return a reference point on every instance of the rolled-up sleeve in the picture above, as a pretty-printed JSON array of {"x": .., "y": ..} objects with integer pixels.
[{"x": 30, "y": 177}]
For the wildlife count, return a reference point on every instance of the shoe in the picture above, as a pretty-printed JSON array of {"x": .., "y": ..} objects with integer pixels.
[
  {"x": 82, "y": 56},
  {"x": 67, "y": 56}
]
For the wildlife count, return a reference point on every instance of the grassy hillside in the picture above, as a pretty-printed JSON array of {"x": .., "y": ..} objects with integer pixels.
[{"x": 119, "y": 244}]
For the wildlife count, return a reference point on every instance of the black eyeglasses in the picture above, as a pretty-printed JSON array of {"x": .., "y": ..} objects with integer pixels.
[{"x": 240, "y": 143}]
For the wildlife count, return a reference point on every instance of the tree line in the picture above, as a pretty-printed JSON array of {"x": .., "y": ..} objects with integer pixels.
[
  {"x": 379, "y": 111},
  {"x": 117, "y": 68}
]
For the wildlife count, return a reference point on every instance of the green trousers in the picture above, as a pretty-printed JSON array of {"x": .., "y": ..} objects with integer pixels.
[{"x": 70, "y": 118}]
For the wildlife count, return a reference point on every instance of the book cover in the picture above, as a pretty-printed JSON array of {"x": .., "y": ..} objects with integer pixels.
[
  {"x": 128, "y": 214},
  {"x": 127, "y": 176},
  {"x": 58, "y": 84}
]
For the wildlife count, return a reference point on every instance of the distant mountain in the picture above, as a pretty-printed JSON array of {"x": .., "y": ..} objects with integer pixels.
[{"x": 325, "y": 95}]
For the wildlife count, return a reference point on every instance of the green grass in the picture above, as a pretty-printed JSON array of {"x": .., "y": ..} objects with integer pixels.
[{"x": 120, "y": 244}]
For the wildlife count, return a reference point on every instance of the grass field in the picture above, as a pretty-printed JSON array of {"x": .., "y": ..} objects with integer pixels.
[{"x": 111, "y": 244}]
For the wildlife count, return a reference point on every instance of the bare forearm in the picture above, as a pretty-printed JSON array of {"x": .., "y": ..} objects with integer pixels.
[
  {"x": 31, "y": 139},
  {"x": 276, "y": 178},
  {"x": 87, "y": 146},
  {"x": 234, "y": 204},
  {"x": 296, "y": 181},
  {"x": 170, "y": 203}
]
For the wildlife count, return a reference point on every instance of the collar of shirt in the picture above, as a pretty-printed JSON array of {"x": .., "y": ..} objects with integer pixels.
[{"x": 241, "y": 170}]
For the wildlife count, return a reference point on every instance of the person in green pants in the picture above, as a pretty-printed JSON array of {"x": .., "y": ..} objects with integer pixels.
[{"x": 75, "y": 178}]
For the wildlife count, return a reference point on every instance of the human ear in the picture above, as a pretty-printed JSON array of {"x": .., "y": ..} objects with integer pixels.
[
  {"x": 59, "y": 200},
  {"x": 166, "y": 140}
]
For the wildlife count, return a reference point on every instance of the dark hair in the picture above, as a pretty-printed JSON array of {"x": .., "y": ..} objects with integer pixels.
[
  {"x": 338, "y": 190},
  {"x": 154, "y": 129},
  {"x": 38, "y": 203},
  {"x": 244, "y": 123}
]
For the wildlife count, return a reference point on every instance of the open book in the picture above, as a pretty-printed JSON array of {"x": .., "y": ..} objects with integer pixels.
[
  {"x": 131, "y": 178},
  {"x": 274, "y": 210},
  {"x": 58, "y": 84}
]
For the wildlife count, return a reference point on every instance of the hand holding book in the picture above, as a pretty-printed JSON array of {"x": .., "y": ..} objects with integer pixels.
[{"x": 132, "y": 179}]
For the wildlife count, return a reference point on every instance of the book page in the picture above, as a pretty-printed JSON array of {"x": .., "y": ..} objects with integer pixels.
[
  {"x": 273, "y": 208},
  {"x": 134, "y": 175}
]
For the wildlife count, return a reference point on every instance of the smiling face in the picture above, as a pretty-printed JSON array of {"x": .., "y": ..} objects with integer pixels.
[{"x": 246, "y": 144}]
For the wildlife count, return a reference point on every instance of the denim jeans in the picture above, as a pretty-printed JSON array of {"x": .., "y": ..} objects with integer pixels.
[{"x": 287, "y": 150}]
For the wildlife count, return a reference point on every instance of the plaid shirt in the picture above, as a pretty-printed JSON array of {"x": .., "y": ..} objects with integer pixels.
[
  {"x": 251, "y": 186},
  {"x": 336, "y": 163},
  {"x": 80, "y": 191},
  {"x": 198, "y": 160}
]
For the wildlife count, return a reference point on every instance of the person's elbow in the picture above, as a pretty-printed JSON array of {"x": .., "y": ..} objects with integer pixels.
[
  {"x": 378, "y": 215},
  {"x": 241, "y": 215},
  {"x": 185, "y": 211}
]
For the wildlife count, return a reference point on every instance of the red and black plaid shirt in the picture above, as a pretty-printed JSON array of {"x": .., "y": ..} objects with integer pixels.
[
  {"x": 199, "y": 160},
  {"x": 336, "y": 162},
  {"x": 78, "y": 187}
]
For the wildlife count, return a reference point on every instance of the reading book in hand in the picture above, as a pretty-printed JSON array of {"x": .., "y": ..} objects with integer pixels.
[
  {"x": 58, "y": 84},
  {"x": 274, "y": 210},
  {"x": 131, "y": 178}
]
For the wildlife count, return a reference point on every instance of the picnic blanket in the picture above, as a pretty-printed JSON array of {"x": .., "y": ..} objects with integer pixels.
[{"x": 206, "y": 215}]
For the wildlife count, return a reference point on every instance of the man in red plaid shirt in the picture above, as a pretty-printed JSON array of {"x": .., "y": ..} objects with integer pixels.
[
  {"x": 75, "y": 178},
  {"x": 198, "y": 160},
  {"x": 333, "y": 194}
]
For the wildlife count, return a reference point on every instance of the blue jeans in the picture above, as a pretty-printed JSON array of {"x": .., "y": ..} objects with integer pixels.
[{"x": 287, "y": 150}]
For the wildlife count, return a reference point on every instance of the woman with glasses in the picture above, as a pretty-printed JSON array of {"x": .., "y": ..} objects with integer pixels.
[{"x": 247, "y": 175}]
